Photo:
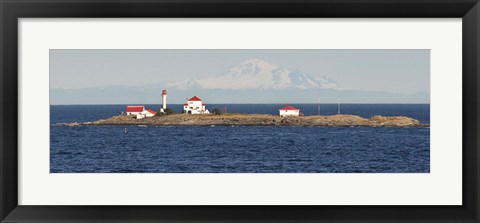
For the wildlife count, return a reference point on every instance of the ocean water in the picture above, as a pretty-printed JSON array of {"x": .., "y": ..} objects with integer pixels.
[{"x": 240, "y": 149}]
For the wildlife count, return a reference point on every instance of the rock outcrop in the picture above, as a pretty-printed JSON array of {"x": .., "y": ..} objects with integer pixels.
[{"x": 255, "y": 119}]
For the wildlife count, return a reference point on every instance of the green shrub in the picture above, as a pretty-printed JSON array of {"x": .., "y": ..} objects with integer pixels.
[
  {"x": 216, "y": 111},
  {"x": 168, "y": 111}
]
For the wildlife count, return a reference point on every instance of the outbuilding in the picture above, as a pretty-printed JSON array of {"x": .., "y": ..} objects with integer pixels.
[
  {"x": 289, "y": 111},
  {"x": 146, "y": 113}
]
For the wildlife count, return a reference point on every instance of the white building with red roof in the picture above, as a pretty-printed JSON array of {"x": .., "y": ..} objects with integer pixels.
[
  {"x": 289, "y": 111},
  {"x": 139, "y": 111},
  {"x": 146, "y": 114},
  {"x": 195, "y": 105}
]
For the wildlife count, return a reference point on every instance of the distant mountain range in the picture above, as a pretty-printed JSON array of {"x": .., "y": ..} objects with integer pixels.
[
  {"x": 258, "y": 74},
  {"x": 253, "y": 81}
]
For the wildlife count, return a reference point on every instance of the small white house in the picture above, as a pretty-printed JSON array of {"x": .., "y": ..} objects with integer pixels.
[
  {"x": 139, "y": 111},
  {"x": 134, "y": 109},
  {"x": 195, "y": 105},
  {"x": 146, "y": 114},
  {"x": 289, "y": 111}
]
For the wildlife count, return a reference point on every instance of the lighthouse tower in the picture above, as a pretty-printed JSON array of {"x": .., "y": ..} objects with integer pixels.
[{"x": 164, "y": 100}]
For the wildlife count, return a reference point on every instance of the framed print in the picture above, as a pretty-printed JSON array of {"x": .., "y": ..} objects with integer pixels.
[{"x": 226, "y": 111}]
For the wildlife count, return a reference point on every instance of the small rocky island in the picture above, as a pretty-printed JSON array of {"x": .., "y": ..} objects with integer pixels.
[{"x": 254, "y": 119}]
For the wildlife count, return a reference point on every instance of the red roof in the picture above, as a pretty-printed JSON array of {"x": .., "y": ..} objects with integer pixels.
[
  {"x": 194, "y": 98},
  {"x": 138, "y": 108},
  {"x": 288, "y": 107},
  {"x": 151, "y": 111},
  {"x": 185, "y": 104}
]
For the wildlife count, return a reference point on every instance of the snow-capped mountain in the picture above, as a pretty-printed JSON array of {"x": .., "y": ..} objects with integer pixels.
[
  {"x": 258, "y": 74},
  {"x": 253, "y": 81}
]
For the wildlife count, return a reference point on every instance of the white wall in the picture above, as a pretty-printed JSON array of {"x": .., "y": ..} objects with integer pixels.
[
  {"x": 133, "y": 113},
  {"x": 289, "y": 112},
  {"x": 198, "y": 107}
]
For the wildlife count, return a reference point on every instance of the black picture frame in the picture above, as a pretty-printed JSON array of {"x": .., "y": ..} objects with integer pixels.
[{"x": 12, "y": 10}]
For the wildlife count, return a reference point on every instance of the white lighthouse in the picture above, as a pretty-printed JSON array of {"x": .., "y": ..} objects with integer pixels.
[{"x": 164, "y": 100}]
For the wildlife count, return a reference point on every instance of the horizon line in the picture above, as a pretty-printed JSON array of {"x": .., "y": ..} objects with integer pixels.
[{"x": 270, "y": 103}]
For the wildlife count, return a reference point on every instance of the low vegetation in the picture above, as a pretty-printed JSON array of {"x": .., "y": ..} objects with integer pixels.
[
  {"x": 216, "y": 111},
  {"x": 168, "y": 111}
]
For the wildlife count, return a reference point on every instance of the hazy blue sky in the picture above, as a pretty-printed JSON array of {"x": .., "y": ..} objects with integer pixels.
[{"x": 397, "y": 71}]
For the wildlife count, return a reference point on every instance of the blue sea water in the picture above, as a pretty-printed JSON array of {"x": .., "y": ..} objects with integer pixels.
[{"x": 240, "y": 149}]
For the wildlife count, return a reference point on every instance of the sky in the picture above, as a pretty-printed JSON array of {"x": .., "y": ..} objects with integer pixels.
[{"x": 396, "y": 71}]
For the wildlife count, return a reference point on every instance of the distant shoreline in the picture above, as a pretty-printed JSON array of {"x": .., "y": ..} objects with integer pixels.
[{"x": 255, "y": 120}]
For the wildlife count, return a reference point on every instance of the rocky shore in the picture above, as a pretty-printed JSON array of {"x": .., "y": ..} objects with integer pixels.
[{"x": 255, "y": 119}]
